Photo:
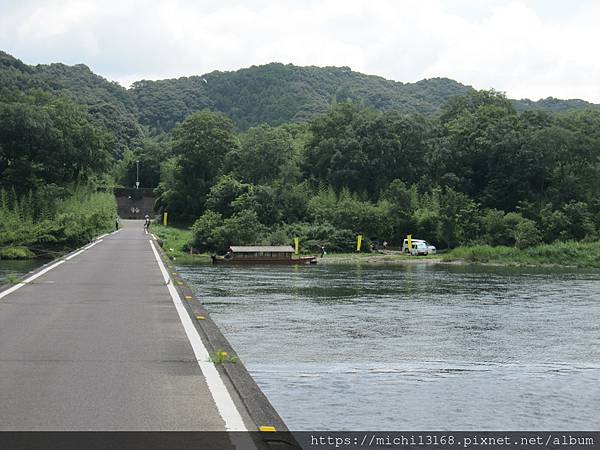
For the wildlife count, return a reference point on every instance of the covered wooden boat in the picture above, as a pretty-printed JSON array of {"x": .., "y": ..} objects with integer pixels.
[{"x": 264, "y": 254}]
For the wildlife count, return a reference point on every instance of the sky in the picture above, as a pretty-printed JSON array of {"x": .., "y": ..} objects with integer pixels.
[{"x": 526, "y": 48}]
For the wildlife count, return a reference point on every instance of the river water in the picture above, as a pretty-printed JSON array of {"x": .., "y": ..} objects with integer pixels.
[
  {"x": 18, "y": 268},
  {"x": 419, "y": 347},
  {"x": 416, "y": 347}
]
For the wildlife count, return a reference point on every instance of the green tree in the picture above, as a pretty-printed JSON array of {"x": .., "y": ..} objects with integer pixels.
[
  {"x": 147, "y": 155},
  {"x": 263, "y": 155},
  {"x": 224, "y": 192},
  {"x": 204, "y": 232},
  {"x": 359, "y": 149},
  {"x": 200, "y": 145},
  {"x": 46, "y": 139},
  {"x": 526, "y": 234},
  {"x": 481, "y": 151},
  {"x": 243, "y": 228},
  {"x": 458, "y": 221}
]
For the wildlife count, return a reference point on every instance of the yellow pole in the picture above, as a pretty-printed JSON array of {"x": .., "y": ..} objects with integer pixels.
[
  {"x": 165, "y": 219},
  {"x": 409, "y": 238},
  {"x": 296, "y": 245},
  {"x": 358, "y": 242}
]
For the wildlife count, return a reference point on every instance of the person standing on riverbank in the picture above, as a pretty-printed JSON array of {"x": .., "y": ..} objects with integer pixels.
[{"x": 323, "y": 252}]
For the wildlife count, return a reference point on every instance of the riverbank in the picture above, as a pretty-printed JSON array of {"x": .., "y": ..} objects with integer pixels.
[
  {"x": 33, "y": 227},
  {"x": 567, "y": 254},
  {"x": 387, "y": 258},
  {"x": 174, "y": 242}
]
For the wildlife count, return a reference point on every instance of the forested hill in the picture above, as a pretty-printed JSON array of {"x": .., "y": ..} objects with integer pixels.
[
  {"x": 108, "y": 102},
  {"x": 277, "y": 93},
  {"x": 272, "y": 93}
]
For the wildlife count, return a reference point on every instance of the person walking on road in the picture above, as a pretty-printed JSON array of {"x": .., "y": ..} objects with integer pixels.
[{"x": 147, "y": 224}]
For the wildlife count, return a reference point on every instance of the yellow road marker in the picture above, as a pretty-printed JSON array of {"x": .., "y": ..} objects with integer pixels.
[
  {"x": 180, "y": 283},
  {"x": 200, "y": 317},
  {"x": 188, "y": 297},
  {"x": 267, "y": 428}
]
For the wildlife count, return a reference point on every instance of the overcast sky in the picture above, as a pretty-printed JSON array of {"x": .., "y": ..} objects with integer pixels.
[{"x": 527, "y": 48}]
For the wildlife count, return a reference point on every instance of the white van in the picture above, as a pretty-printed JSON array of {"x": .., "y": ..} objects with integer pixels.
[{"x": 419, "y": 247}]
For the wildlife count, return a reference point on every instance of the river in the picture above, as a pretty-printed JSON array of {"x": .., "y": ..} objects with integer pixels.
[
  {"x": 18, "y": 268},
  {"x": 418, "y": 347}
]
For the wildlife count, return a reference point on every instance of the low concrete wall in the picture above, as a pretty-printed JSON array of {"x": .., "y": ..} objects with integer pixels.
[{"x": 253, "y": 399}]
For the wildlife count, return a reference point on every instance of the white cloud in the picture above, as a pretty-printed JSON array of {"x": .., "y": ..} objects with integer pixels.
[{"x": 528, "y": 48}]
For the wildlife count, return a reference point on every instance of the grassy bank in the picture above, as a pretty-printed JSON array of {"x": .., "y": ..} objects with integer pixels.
[
  {"x": 174, "y": 242},
  {"x": 573, "y": 254},
  {"x": 570, "y": 254},
  {"x": 376, "y": 258},
  {"x": 48, "y": 227}
]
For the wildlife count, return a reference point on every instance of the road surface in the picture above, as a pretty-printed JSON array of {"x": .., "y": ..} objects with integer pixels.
[{"x": 96, "y": 343}]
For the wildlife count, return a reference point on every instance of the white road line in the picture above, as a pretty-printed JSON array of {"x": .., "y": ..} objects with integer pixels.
[
  {"x": 30, "y": 279},
  {"x": 93, "y": 243},
  {"x": 74, "y": 254},
  {"x": 47, "y": 269},
  {"x": 83, "y": 250},
  {"x": 226, "y": 407}
]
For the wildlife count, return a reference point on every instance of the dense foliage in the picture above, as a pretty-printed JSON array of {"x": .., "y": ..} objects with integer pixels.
[
  {"x": 277, "y": 151},
  {"x": 199, "y": 146},
  {"x": 277, "y": 94},
  {"x": 48, "y": 140},
  {"x": 107, "y": 103},
  {"x": 274, "y": 94},
  {"x": 49, "y": 223},
  {"x": 479, "y": 174},
  {"x": 54, "y": 158}
]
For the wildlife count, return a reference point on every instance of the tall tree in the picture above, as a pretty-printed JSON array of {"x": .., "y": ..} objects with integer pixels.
[
  {"x": 199, "y": 145},
  {"x": 262, "y": 155},
  {"x": 362, "y": 150},
  {"x": 46, "y": 139}
]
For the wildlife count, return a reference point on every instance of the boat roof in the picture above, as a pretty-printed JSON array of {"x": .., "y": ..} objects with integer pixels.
[{"x": 262, "y": 248}]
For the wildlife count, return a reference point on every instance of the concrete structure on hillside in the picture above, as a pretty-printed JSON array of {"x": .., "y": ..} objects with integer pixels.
[{"x": 135, "y": 203}]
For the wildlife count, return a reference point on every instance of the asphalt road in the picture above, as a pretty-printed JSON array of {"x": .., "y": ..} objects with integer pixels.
[{"x": 96, "y": 344}]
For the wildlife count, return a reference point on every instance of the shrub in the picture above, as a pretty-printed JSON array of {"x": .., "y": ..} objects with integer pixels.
[
  {"x": 204, "y": 236},
  {"x": 64, "y": 222},
  {"x": 580, "y": 223},
  {"x": 313, "y": 235},
  {"x": 526, "y": 234},
  {"x": 16, "y": 253},
  {"x": 243, "y": 228}
]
